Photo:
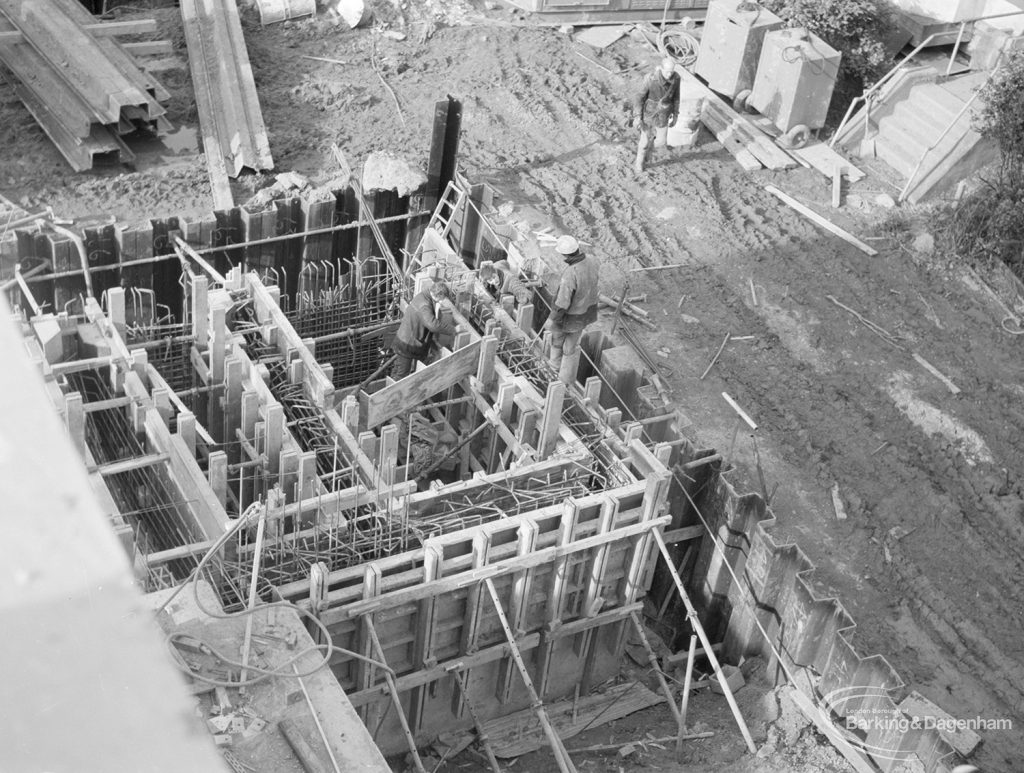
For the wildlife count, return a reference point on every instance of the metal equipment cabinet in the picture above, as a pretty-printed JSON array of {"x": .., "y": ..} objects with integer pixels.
[
  {"x": 731, "y": 44},
  {"x": 795, "y": 78}
]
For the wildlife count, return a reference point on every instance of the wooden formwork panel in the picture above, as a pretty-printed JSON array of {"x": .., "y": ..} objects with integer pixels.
[{"x": 567, "y": 577}]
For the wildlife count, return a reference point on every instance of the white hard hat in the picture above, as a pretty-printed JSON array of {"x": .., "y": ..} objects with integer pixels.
[{"x": 567, "y": 245}]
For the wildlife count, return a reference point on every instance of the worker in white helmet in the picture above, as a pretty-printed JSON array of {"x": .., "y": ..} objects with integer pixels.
[
  {"x": 655, "y": 108},
  {"x": 573, "y": 308}
]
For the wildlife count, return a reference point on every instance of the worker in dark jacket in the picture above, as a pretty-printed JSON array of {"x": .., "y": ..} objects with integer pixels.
[
  {"x": 499, "y": 279},
  {"x": 574, "y": 307},
  {"x": 421, "y": 324},
  {"x": 656, "y": 108}
]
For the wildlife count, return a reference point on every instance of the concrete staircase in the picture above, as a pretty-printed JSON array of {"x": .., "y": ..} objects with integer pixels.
[{"x": 922, "y": 130}]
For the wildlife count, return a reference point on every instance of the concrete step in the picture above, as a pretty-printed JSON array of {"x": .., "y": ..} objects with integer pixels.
[
  {"x": 928, "y": 125},
  {"x": 903, "y": 148},
  {"x": 895, "y": 153},
  {"x": 932, "y": 99}
]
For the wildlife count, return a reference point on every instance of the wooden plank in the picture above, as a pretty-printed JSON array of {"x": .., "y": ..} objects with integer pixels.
[
  {"x": 127, "y": 465},
  {"x": 823, "y": 158},
  {"x": 519, "y": 733},
  {"x": 734, "y": 124},
  {"x": 685, "y": 534},
  {"x": 420, "y": 386},
  {"x": 149, "y": 48},
  {"x": 820, "y": 221}
]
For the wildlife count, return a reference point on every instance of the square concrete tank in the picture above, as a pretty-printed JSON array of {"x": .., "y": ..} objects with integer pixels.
[
  {"x": 795, "y": 78},
  {"x": 730, "y": 44}
]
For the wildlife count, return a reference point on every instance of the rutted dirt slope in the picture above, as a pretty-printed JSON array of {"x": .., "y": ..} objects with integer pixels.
[{"x": 944, "y": 602}]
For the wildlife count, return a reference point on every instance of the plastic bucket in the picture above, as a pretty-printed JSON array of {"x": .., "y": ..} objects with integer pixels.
[{"x": 687, "y": 128}]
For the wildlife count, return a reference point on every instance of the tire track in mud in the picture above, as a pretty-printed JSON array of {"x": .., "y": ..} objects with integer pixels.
[
  {"x": 979, "y": 638},
  {"x": 817, "y": 417}
]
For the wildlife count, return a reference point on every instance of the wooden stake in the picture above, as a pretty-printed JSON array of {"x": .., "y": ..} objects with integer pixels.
[
  {"x": 691, "y": 613},
  {"x": 684, "y": 702},
  {"x": 717, "y": 355},
  {"x": 953, "y": 388},
  {"x": 561, "y": 755}
]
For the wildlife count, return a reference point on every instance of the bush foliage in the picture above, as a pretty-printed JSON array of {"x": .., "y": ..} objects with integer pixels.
[
  {"x": 855, "y": 28},
  {"x": 1002, "y": 114},
  {"x": 989, "y": 224}
]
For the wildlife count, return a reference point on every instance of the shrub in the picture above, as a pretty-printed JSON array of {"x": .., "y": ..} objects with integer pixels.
[
  {"x": 1001, "y": 116},
  {"x": 855, "y": 28},
  {"x": 989, "y": 224}
]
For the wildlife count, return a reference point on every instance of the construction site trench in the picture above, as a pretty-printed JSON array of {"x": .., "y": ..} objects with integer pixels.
[{"x": 928, "y": 558}]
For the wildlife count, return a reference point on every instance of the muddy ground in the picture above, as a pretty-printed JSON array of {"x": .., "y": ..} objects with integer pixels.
[{"x": 942, "y": 597}]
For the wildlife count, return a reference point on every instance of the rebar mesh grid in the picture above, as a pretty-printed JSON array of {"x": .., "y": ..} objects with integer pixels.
[
  {"x": 144, "y": 497},
  {"x": 306, "y": 422},
  {"x": 329, "y": 304}
]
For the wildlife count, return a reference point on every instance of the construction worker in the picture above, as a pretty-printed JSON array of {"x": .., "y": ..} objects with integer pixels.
[
  {"x": 655, "y": 108},
  {"x": 418, "y": 331},
  {"x": 499, "y": 279},
  {"x": 574, "y": 307}
]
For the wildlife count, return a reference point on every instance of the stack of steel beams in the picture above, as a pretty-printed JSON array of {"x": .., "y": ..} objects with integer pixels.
[
  {"x": 234, "y": 135},
  {"x": 82, "y": 88}
]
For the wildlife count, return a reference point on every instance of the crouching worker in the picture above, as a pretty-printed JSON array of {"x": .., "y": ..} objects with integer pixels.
[
  {"x": 500, "y": 279},
  {"x": 421, "y": 325},
  {"x": 574, "y": 307}
]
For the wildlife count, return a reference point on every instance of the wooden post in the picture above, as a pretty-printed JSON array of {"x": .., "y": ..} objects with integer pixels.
[
  {"x": 685, "y": 700},
  {"x": 350, "y": 413},
  {"x": 200, "y": 312},
  {"x": 218, "y": 473},
  {"x": 275, "y": 438},
  {"x": 556, "y": 593},
  {"x": 116, "y": 308},
  {"x": 423, "y": 644},
  {"x": 551, "y": 420},
  {"x": 705, "y": 642},
  {"x": 388, "y": 458},
  {"x": 485, "y": 369},
  {"x": 187, "y": 430},
  {"x": 74, "y": 418},
  {"x": 474, "y": 611},
  {"x": 522, "y": 587},
  {"x": 503, "y": 404},
  {"x": 395, "y": 698},
  {"x": 235, "y": 373},
  {"x": 524, "y": 318},
  {"x": 364, "y": 672},
  {"x": 561, "y": 755}
]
